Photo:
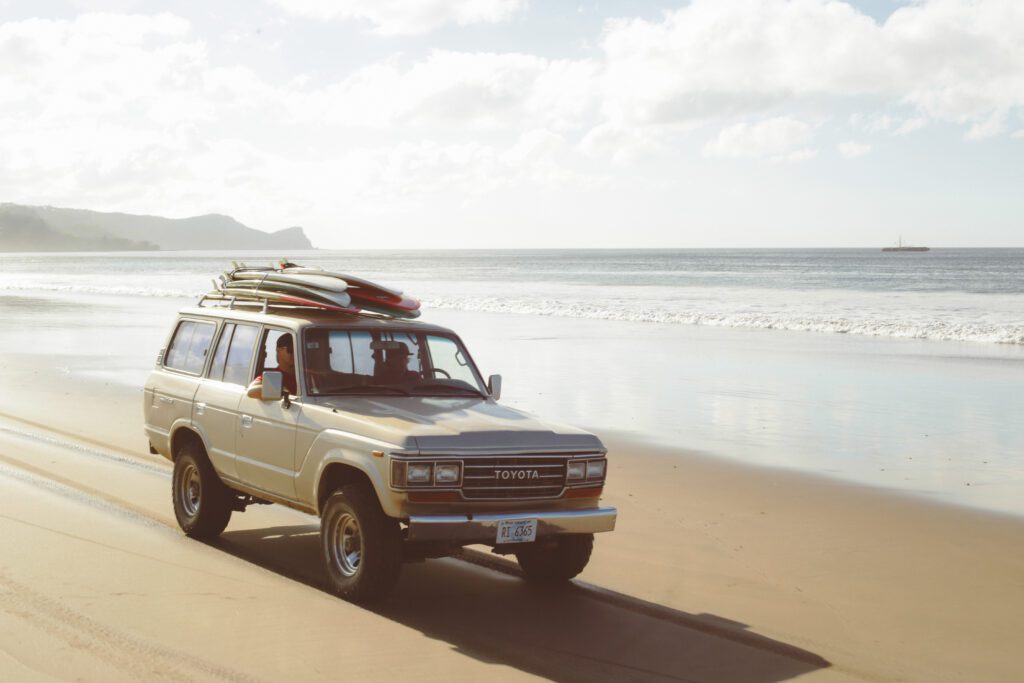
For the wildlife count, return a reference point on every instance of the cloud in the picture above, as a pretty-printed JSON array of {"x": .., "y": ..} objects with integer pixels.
[
  {"x": 910, "y": 125},
  {"x": 135, "y": 112},
  {"x": 130, "y": 113},
  {"x": 722, "y": 57},
  {"x": 457, "y": 89},
  {"x": 778, "y": 139},
  {"x": 958, "y": 61},
  {"x": 852, "y": 149},
  {"x": 405, "y": 17},
  {"x": 622, "y": 144},
  {"x": 885, "y": 123}
]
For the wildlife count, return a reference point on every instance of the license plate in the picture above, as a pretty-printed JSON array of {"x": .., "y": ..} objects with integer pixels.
[{"x": 517, "y": 531}]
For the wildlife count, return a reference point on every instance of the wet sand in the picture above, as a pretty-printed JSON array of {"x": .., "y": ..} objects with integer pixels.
[{"x": 717, "y": 572}]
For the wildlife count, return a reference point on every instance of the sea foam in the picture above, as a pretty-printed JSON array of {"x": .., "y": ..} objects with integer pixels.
[{"x": 873, "y": 323}]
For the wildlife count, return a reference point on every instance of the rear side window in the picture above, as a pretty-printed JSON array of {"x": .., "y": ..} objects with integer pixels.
[
  {"x": 189, "y": 347},
  {"x": 243, "y": 341},
  {"x": 221, "y": 354}
]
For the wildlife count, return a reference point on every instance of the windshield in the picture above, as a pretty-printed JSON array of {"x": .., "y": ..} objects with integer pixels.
[{"x": 387, "y": 363}]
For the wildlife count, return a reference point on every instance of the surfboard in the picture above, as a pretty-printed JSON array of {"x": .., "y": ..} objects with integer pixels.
[
  {"x": 292, "y": 284},
  {"x": 361, "y": 296},
  {"x": 352, "y": 280},
  {"x": 364, "y": 292},
  {"x": 329, "y": 283},
  {"x": 386, "y": 310},
  {"x": 342, "y": 299},
  {"x": 282, "y": 298}
]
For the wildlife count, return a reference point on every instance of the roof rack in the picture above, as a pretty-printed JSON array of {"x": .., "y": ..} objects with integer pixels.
[{"x": 231, "y": 301}]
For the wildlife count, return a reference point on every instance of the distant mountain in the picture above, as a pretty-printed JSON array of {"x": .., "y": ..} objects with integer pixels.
[{"x": 47, "y": 228}]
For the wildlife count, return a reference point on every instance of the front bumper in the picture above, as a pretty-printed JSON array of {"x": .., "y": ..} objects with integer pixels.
[{"x": 484, "y": 528}]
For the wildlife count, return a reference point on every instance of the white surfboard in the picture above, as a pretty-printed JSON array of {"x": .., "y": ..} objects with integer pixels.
[{"x": 327, "y": 282}]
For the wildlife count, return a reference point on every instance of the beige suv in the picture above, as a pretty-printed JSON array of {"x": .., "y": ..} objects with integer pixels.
[{"x": 383, "y": 428}]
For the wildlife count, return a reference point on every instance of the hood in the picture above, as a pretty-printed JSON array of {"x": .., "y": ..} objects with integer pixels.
[{"x": 453, "y": 425}]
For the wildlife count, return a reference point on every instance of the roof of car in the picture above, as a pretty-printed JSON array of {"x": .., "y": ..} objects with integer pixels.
[{"x": 303, "y": 317}]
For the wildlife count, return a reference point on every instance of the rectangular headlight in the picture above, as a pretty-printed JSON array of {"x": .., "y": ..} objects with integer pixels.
[
  {"x": 446, "y": 473},
  {"x": 576, "y": 471},
  {"x": 595, "y": 469},
  {"x": 397, "y": 473},
  {"x": 419, "y": 472}
]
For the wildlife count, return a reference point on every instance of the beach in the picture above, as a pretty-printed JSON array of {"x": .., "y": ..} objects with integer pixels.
[
  {"x": 717, "y": 571},
  {"x": 792, "y": 505}
]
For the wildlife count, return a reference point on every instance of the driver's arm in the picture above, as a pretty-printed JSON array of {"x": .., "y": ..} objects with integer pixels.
[{"x": 255, "y": 389}]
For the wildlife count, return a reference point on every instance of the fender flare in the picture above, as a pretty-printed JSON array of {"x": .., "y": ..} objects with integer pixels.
[{"x": 183, "y": 423}]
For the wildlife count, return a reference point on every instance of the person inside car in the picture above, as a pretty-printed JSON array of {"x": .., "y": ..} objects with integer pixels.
[
  {"x": 395, "y": 369},
  {"x": 285, "y": 365}
]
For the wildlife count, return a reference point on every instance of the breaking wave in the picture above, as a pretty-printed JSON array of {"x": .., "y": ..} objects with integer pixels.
[
  {"x": 993, "y": 319},
  {"x": 112, "y": 290},
  {"x": 876, "y": 324}
]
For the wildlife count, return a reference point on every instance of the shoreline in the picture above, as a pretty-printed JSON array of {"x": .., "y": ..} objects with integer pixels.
[{"x": 84, "y": 375}]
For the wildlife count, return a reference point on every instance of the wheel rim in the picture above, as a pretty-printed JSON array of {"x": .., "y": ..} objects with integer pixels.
[
  {"x": 190, "y": 490},
  {"x": 346, "y": 544}
]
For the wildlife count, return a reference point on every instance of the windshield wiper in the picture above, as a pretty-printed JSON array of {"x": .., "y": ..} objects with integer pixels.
[
  {"x": 369, "y": 390},
  {"x": 448, "y": 388}
]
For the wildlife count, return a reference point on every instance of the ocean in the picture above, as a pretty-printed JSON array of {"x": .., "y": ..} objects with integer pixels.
[
  {"x": 974, "y": 295},
  {"x": 903, "y": 371}
]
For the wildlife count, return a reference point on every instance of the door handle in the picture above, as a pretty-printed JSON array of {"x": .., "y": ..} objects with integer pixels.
[
  {"x": 200, "y": 408},
  {"x": 246, "y": 421},
  {"x": 167, "y": 399}
]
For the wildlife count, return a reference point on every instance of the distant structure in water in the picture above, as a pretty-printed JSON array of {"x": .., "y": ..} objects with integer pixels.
[{"x": 900, "y": 247}]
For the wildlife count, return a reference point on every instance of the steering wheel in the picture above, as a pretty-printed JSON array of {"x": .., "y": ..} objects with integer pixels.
[{"x": 434, "y": 372}]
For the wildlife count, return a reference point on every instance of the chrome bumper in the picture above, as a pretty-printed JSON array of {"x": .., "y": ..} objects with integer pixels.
[{"x": 484, "y": 528}]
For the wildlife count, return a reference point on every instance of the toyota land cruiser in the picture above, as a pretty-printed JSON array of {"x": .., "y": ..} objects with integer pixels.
[{"x": 388, "y": 434}]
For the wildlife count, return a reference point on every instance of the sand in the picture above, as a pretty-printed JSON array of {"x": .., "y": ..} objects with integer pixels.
[{"x": 717, "y": 572}]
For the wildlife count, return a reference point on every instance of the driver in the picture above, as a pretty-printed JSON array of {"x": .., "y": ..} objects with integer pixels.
[
  {"x": 285, "y": 364},
  {"x": 396, "y": 366}
]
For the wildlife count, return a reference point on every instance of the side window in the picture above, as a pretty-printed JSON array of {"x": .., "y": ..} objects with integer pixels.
[
  {"x": 189, "y": 347},
  {"x": 236, "y": 367},
  {"x": 270, "y": 339},
  {"x": 221, "y": 354}
]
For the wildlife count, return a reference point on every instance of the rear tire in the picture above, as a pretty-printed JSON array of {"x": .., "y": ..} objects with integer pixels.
[
  {"x": 552, "y": 565},
  {"x": 202, "y": 503},
  {"x": 362, "y": 546}
]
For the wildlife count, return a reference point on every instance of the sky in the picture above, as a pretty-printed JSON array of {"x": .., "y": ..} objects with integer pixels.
[{"x": 527, "y": 124}]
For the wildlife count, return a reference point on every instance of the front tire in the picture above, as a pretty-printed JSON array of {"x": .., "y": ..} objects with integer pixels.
[
  {"x": 557, "y": 563},
  {"x": 202, "y": 503},
  {"x": 362, "y": 546}
]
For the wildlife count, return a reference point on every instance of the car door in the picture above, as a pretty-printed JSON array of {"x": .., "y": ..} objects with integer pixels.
[
  {"x": 265, "y": 442},
  {"x": 216, "y": 402}
]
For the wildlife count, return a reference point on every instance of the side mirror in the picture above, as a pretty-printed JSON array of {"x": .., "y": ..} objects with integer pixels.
[
  {"x": 494, "y": 386},
  {"x": 273, "y": 381}
]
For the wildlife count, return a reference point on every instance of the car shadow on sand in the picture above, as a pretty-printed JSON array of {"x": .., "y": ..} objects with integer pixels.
[{"x": 579, "y": 633}]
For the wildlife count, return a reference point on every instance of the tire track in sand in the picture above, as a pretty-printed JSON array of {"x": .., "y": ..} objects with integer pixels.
[{"x": 141, "y": 659}]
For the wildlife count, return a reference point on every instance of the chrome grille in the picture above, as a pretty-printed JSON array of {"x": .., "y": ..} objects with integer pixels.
[{"x": 524, "y": 476}]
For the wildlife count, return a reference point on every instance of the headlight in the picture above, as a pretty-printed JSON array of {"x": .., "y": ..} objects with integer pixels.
[
  {"x": 576, "y": 471},
  {"x": 446, "y": 473},
  {"x": 397, "y": 473},
  {"x": 595, "y": 469},
  {"x": 418, "y": 473}
]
